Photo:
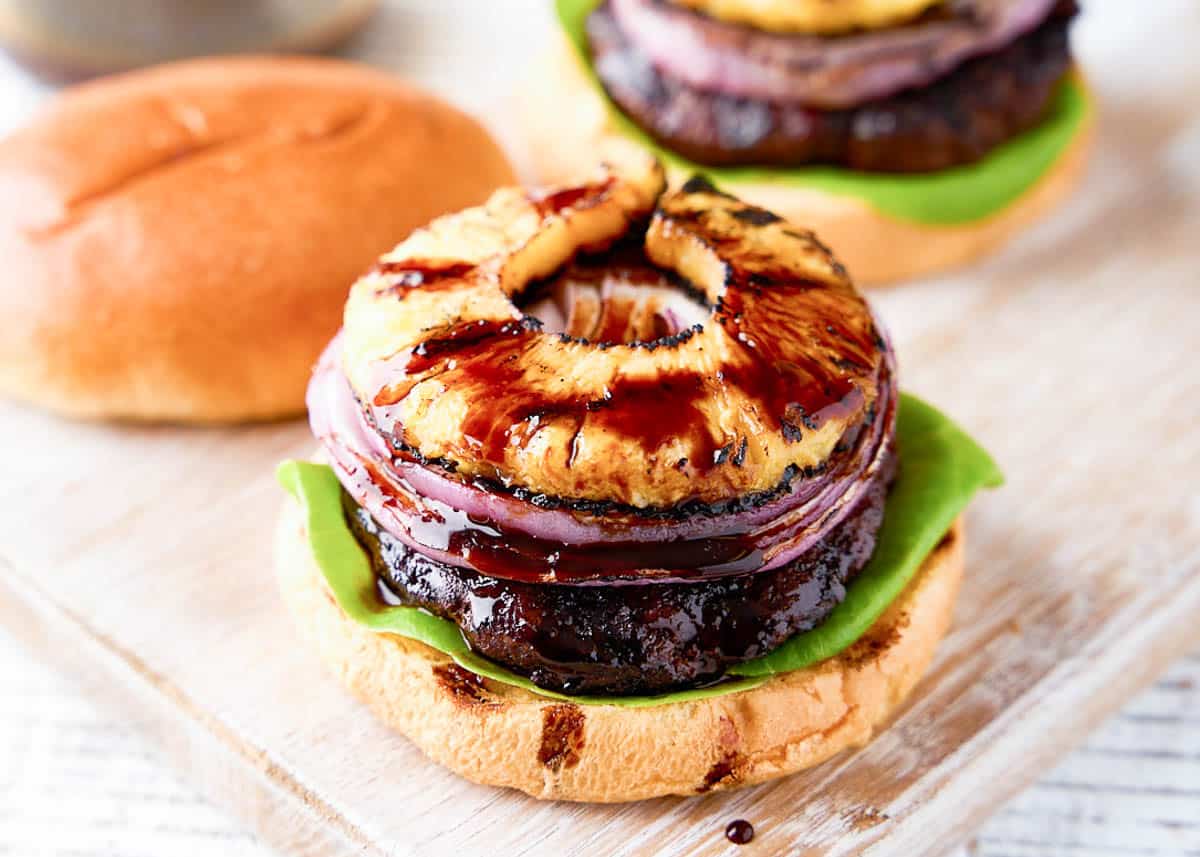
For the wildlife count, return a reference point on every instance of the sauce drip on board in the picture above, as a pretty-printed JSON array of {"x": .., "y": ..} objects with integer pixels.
[{"x": 739, "y": 832}]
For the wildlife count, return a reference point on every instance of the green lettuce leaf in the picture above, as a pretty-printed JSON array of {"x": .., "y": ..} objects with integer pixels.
[
  {"x": 941, "y": 469},
  {"x": 956, "y": 195}
]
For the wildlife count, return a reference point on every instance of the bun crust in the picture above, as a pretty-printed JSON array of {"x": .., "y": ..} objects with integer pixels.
[
  {"x": 179, "y": 242},
  {"x": 499, "y": 735},
  {"x": 568, "y": 126}
]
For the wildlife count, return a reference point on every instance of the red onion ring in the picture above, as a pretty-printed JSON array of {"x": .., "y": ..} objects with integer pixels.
[
  {"x": 427, "y": 509},
  {"x": 822, "y": 72}
]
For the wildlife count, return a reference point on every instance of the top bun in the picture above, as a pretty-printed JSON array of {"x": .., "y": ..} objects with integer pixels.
[{"x": 179, "y": 242}]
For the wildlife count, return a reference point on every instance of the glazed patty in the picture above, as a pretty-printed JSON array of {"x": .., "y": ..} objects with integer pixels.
[
  {"x": 642, "y": 639},
  {"x": 956, "y": 120}
]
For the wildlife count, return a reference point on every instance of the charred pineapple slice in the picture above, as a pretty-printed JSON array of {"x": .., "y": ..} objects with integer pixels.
[
  {"x": 786, "y": 363},
  {"x": 821, "y": 17}
]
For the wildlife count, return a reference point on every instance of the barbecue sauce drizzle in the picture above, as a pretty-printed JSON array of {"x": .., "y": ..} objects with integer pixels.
[{"x": 780, "y": 323}]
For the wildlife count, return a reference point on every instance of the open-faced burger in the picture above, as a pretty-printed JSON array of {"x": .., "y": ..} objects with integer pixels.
[
  {"x": 912, "y": 135},
  {"x": 617, "y": 495}
]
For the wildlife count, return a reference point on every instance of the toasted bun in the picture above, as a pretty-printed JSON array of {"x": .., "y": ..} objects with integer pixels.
[
  {"x": 568, "y": 124},
  {"x": 500, "y": 735},
  {"x": 178, "y": 243}
]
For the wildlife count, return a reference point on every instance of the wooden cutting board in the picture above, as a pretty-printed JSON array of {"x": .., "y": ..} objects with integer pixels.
[{"x": 138, "y": 558}]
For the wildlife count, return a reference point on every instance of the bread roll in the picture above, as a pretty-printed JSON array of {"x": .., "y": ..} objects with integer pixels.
[{"x": 179, "y": 242}]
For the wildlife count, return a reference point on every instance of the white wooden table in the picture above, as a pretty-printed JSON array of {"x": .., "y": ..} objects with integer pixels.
[{"x": 75, "y": 780}]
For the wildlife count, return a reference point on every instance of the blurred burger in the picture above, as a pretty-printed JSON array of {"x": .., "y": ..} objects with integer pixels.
[{"x": 912, "y": 135}]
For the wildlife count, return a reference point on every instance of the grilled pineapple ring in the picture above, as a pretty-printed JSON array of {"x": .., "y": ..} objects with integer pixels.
[
  {"x": 822, "y": 17},
  {"x": 788, "y": 361}
]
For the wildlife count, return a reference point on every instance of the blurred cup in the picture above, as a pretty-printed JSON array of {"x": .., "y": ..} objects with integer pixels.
[{"x": 66, "y": 39}]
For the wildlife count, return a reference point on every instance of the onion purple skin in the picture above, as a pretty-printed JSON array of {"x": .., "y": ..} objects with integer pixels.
[
  {"x": 823, "y": 72},
  {"x": 420, "y": 506}
]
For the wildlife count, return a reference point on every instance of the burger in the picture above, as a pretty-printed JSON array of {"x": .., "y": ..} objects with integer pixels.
[
  {"x": 912, "y": 135},
  {"x": 617, "y": 495}
]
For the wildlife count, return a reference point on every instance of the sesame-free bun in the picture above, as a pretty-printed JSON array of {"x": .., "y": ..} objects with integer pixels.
[
  {"x": 569, "y": 125},
  {"x": 178, "y": 242},
  {"x": 501, "y": 735}
]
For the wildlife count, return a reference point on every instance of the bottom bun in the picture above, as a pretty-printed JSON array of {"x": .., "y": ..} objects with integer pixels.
[
  {"x": 500, "y": 735},
  {"x": 569, "y": 126}
]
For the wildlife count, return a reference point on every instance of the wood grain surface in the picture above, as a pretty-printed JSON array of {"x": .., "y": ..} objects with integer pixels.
[
  {"x": 82, "y": 780},
  {"x": 138, "y": 557}
]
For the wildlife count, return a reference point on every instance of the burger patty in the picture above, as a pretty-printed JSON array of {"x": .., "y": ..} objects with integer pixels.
[
  {"x": 955, "y": 120},
  {"x": 630, "y": 639}
]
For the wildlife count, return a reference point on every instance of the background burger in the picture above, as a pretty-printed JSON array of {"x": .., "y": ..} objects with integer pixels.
[{"x": 911, "y": 135}]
